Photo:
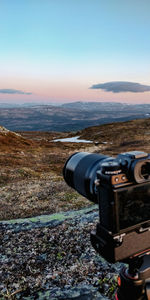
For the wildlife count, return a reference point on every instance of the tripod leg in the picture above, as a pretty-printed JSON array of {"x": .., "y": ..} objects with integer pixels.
[{"x": 148, "y": 289}]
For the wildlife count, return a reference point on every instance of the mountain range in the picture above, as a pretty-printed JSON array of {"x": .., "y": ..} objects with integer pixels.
[{"x": 68, "y": 116}]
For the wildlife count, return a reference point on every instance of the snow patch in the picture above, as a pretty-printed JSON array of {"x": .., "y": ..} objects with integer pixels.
[{"x": 74, "y": 139}]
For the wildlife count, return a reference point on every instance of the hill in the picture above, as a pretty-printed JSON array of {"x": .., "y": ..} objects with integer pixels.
[
  {"x": 70, "y": 116},
  {"x": 13, "y": 140},
  {"x": 31, "y": 165}
]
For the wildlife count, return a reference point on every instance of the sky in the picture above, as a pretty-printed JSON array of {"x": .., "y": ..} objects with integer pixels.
[{"x": 74, "y": 50}]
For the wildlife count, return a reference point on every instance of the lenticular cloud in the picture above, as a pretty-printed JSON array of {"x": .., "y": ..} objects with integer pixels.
[
  {"x": 122, "y": 87},
  {"x": 12, "y": 91}
]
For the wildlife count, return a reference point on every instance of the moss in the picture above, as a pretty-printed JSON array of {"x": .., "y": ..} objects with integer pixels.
[
  {"x": 111, "y": 282},
  {"x": 59, "y": 256},
  {"x": 69, "y": 197},
  {"x": 48, "y": 218}
]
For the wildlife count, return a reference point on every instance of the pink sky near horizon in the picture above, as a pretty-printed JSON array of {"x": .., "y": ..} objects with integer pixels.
[
  {"x": 69, "y": 93},
  {"x": 68, "y": 82}
]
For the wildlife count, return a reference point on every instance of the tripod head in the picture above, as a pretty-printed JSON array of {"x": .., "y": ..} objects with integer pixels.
[{"x": 134, "y": 281}]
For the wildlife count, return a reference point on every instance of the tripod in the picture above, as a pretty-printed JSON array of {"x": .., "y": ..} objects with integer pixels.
[{"x": 134, "y": 281}]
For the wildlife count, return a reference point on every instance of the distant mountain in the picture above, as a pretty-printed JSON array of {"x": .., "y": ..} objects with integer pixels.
[
  {"x": 107, "y": 106},
  {"x": 26, "y": 104},
  {"x": 93, "y": 105},
  {"x": 69, "y": 116}
]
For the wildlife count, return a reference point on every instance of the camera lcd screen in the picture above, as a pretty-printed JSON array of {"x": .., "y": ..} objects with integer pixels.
[{"x": 133, "y": 205}]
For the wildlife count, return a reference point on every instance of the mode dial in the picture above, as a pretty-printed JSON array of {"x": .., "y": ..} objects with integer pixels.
[{"x": 110, "y": 168}]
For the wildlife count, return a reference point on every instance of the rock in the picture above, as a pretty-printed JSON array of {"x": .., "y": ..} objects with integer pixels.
[
  {"x": 84, "y": 292},
  {"x": 51, "y": 257},
  {"x": 3, "y": 129}
]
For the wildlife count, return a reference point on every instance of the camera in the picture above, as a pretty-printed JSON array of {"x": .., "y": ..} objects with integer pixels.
[{"x": 121, "y": 188}]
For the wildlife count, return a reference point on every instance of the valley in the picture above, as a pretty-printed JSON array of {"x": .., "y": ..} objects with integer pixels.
[{"x": 69, "y": 116}]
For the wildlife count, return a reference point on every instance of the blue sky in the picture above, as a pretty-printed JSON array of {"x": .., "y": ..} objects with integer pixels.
[{"x": 55, "y": 50}]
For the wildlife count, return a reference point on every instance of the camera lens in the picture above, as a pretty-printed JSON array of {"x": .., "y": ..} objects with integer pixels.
[{"x": 80, "y": 173}]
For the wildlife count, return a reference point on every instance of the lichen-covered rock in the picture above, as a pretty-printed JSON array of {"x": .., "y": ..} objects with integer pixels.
[
  {"x": 84, "y": 292},
  {"x": 51, "y": 257}
]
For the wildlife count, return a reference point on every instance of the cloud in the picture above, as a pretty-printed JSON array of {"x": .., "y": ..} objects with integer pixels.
[
  {"x": 122, "y": 87},
  {"x": 12, "y": 91}
]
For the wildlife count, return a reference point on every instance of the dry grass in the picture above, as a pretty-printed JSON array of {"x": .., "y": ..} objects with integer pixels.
[{"x": 31, "y": 165}]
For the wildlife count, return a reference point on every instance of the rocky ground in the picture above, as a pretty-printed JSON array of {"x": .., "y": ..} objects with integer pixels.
[{"x": 52, "y": 258}]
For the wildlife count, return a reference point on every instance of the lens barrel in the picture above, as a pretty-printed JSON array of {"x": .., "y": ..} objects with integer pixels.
[{"x": 80, "y": 173}]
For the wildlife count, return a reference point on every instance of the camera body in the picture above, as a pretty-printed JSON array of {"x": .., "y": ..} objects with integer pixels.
[{"x": 121, "y": 187}]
